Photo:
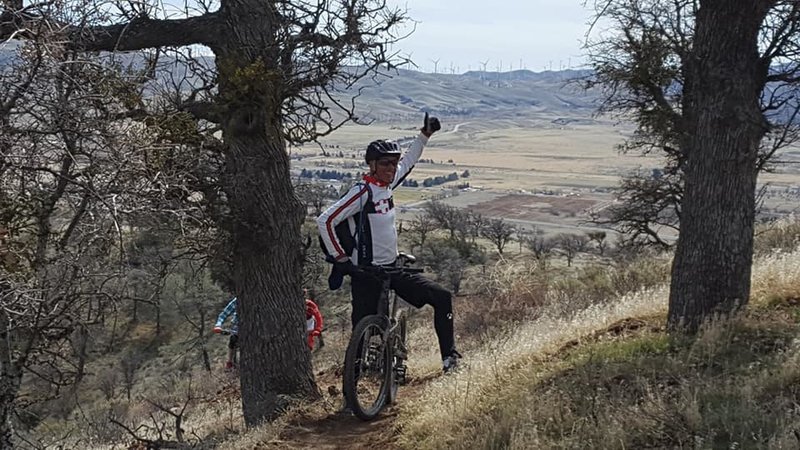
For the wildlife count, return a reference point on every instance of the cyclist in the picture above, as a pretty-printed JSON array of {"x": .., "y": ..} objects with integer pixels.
[
  {"x": 313, "y": 322},
  {"x": 377, "y": 240},
  {"x": 233, "y": 342}
]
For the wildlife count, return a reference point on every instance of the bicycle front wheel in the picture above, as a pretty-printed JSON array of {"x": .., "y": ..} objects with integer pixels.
[{"x": 367, "y": 368}]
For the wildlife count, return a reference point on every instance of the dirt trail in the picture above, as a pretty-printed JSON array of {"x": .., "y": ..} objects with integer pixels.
[
  {"x": 348, "y": 432},
  {"x": 338, "y": 431}
]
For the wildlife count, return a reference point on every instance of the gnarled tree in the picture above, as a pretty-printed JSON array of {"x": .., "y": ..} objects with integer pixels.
[
  {"x": 277, "y": 65},
  {"x": 712, "y": 84},
  {"x": 65, "y": 185}
]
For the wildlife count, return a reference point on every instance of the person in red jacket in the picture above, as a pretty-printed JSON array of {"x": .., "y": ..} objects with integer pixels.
[{"x": 313, "y": 321}]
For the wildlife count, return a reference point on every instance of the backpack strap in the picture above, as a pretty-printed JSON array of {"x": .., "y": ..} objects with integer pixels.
[{"x": 368, "y": 208}]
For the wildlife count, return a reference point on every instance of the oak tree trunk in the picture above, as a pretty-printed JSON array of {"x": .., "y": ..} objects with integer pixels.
[
  {"x": 275, "y": 361},
  {"x": 9, "y": 387},
  {"x": 275, "y": 366},
  {"x": 10, "y": 379},
  {"x": 711, "y": 269}
]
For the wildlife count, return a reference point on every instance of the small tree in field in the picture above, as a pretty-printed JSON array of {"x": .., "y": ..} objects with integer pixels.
[
  {"x": 421, "y": 227},
  {"x": 540, "y": 245},
  {"x": 449, "y": 260},
  {"x": 449, "y": 218},
  {"x": 499, "y": 232},
  {"x": 599, "y": 238},
  {"x": 571, "y": 245}
]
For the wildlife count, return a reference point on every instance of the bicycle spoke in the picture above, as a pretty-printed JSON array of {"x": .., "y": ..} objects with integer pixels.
[
  {"x": 370, "y": 375},
  {"x": 366, "y": 380}
]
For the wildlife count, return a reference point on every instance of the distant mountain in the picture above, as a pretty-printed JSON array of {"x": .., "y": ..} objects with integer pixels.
[
  {"x": 520, "y": 94},
  {"x": 397, "y": 95}
]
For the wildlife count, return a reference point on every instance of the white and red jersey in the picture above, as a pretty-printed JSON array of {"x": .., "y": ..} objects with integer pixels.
[{"x": 379, "y": 239}]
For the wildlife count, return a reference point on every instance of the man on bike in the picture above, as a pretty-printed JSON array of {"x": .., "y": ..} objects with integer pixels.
[
  {"x": 369, "y": 208},
  {"x": 233, "y": 342}
]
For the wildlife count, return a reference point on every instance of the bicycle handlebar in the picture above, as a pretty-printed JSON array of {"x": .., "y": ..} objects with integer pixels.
[{"x": 384, "y": 270}]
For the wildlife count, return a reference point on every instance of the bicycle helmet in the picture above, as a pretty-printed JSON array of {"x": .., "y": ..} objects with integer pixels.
[{"x": 380, "y": 148}]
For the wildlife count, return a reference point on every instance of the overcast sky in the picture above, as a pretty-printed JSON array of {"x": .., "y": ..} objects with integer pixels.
[{"x": 465, "y": 33}]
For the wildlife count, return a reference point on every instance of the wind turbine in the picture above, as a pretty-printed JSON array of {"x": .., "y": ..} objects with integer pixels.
[
  {"x": 483, "y": 72},
  {"x": 436, "y": 65}
]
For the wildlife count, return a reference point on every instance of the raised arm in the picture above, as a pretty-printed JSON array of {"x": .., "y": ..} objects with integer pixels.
[{"x": 412, "y": 155}]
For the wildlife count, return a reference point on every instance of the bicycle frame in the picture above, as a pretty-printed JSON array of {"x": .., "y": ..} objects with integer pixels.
[
  {"x": 388, "y": 308},
  {"x": 389, "y": 324},
  {"x": 388, "y": 302}
]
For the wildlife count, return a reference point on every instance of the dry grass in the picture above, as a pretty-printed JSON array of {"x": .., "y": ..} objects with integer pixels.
[
  {"x": 515, "y": 391},
  {"x": 776, "y": 278},
  {"x": 473, "y": 392},
  {"x": 781, "y": 235},
  {"x": 547, "y": 367},
  {"x": 733, "y": 387}
]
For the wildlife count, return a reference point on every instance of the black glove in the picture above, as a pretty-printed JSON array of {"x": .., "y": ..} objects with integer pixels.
[
  {"x": 338, "y": 271},
  {"x": 430, "y": 125},
  {"x": 346, "y": 268}
]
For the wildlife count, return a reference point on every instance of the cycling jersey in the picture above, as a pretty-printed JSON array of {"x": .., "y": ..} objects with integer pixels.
[{"x": 378, "y": 239}]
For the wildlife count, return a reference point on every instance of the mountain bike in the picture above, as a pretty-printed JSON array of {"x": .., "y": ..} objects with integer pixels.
[{"x": 374, "y": 364}]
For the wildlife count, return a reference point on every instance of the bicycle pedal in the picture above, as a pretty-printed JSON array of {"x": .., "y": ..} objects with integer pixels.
[{"x": 400, "y": 374}]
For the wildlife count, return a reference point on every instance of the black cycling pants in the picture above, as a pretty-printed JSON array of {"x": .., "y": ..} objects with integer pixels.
[
  {"x": 417, "y": 291},
  {"x": 233, "y": 342}
]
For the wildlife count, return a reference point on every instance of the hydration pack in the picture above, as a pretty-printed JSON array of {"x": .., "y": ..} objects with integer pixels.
[{"x": 347, "y": 239}]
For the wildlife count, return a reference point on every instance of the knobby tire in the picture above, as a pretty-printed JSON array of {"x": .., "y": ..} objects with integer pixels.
[{"x": 355, "y": 356}]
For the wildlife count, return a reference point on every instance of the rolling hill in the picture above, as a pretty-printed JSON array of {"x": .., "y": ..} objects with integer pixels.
[
  {"x": 507, "y": 95},
  {"x": 393, "y": 96}
]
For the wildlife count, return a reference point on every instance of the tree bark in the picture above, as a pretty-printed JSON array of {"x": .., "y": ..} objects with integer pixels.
[
  {"x": 143, "y": 32},
  {"x": 713, "y": 257},
  {"x": 275, "y": 366},
  {"x": 10, "y": 379},
  {"x": 9, "y": 386},
  {"x": 275, "y": 362}
]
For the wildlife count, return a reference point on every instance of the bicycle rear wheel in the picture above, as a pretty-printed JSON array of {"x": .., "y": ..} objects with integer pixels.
[
  {"x": 398, "y": 354},
  {"x": 367, "y": 368}
]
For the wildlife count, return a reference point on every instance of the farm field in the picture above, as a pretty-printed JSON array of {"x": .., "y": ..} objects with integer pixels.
[{"x": 532, "y": 172}]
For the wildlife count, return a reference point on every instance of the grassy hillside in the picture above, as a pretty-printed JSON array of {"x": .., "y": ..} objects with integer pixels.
[
  {"x": 556, "y": 357},
  {"x": 610, "y": 377},
  {"x": 562, "y": 358}
]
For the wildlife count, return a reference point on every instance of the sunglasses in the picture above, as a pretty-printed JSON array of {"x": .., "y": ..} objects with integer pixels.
[{"x": 388, "y": 162}]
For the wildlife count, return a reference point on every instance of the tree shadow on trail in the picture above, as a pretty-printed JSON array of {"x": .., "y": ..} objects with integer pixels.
[{"x": 340, "y": 431}]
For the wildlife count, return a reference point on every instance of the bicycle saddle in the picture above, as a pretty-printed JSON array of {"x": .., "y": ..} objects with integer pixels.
[{"x": 411, "y": 259}]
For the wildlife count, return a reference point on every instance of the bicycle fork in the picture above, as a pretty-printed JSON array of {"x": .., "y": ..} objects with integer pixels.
[
  {"x": 391, "y": 333},
  {"x": 398, "y": 352}
]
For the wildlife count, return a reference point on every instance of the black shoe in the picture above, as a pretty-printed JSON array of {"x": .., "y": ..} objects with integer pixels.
[{"x": 450, "y": 362}]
